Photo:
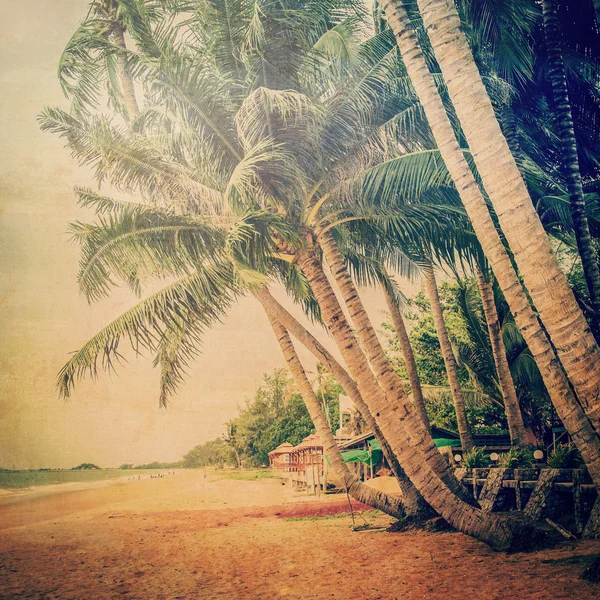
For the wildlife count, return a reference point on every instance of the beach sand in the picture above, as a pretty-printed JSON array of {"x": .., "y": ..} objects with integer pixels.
[{"x": 191, "y": 536}]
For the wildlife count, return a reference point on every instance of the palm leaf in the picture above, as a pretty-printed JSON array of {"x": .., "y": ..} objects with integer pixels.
[{"x": 204, "y": 294}]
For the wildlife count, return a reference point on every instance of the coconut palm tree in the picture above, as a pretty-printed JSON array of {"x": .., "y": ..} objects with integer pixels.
[
  {"x": 570, "y": 162},
  {"x": 557, "y": 384},
  {"x": 435, "y": 490},
  {"x": 431, "y": 289},
  {"x": 170, "y": 323},
  {"x": 97, "y": 54},
  {"x": 358, "y": 490},
  {"x": 412, "y": 500},
  {"x": 514, "y": 417},
  {"x": 547, "y": 284}
]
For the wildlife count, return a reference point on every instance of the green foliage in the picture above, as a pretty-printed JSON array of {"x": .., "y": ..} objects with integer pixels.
[
  {"x": 275, "y": 415},
  {"x": 485, "y": 416},
  {"x": 476, "y": 458},
  {"x": 565, "y": 456},
  {"x": 516, "y": 458},
  {"x": 85, "y": 467},
  {"x": 424, "y": 340},
  {"x": 213, "y": 453},
  {"x": 468, "y": 334},
  {"x": 126, "y": 466}
]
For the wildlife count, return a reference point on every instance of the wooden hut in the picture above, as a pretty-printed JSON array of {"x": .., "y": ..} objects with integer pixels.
[{"x": 281, "y": 458}]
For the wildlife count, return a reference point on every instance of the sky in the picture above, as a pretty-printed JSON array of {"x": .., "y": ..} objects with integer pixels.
[{"x": 43, "y": 318}]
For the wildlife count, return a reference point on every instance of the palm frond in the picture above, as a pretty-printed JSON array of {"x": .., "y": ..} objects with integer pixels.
[
  {"x": 130, "y": 162},
  {"x": 441, "y": 394},
  {"x": 135, "y": 244},
  {"x": 204, "y": 294}
]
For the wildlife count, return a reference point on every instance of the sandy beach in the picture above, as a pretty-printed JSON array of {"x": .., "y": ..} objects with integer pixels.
[{"x": 191, "y": 536}]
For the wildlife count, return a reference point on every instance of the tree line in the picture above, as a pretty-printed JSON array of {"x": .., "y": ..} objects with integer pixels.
[{"x": 276, "y": 414}]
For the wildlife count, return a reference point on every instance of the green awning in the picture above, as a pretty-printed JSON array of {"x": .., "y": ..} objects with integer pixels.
[
  {"x": 375, "y": 445},
  {"x": 441, "y": 442},
  {"x": 363, "y": 456}
]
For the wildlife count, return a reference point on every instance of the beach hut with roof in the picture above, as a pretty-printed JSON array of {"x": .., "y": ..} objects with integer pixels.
[
  {"x": 281, "y": 458},
  {"x": 308, "y": 452},
  {"x": 311, "y": 468}
]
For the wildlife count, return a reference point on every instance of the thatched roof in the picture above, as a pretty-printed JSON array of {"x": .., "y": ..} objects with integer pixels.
[
  {"x": 282, "y": 449},
  {"x": 311, "y": 441}
]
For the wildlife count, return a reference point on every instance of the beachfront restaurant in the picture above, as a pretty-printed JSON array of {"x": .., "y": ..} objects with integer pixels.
[{"x": 365, "y": 452}]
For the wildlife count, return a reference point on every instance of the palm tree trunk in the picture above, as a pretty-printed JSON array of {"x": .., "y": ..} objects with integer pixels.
[
  {"x": 514, "y": 417},
  {"x": 127, "y": 87},
  {"x": 570, "y": 161},
  {"x": 408, "y": 356},
  {"x": 547, "y": 284},
  {"x": 383, "y": 369},
  {"x": 358, "y": 490},
  {"x": 570, "y": 412},
  {"x": 509, "y": 129},
  {"x": 464, "y": 429},
  {"x": 414, "y": 505},
  {"x": 398, "y": 428}
]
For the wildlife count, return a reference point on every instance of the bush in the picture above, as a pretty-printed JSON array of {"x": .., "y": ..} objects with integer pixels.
[
  {"x": 564, "y": 457},
  {"x": 475, "y": 459},
  {"x": 516, "y": 458}
]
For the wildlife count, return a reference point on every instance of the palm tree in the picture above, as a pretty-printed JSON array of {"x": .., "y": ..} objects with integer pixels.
[
  {"x": 361, "y": 492},
  {"x": 250, "y": 109},
  {"x": 412, "y": 500},
  {"x": 97, "y": 53},
  {"x": 396, "y": 420},
  {"x": 464, "y": 429},
  {"x": 406, "y": 349},
  {"x": 564, "y": 121},
  {"x": 514, "y": 417},
  {"x": 555, "y": 379},
  {"x": 232, "y": 441},
  {"x": 558, "y": 309}
]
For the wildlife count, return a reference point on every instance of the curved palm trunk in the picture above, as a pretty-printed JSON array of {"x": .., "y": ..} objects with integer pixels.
[
  {"x": 509, "y": 129},
  {"x": 570, "y": 161},
  {"x": 514, "y": 417},
  {"x": 557, "y": 384},
  {"x": 464, "y": 430},
  {"x": 398, "y": 428},
  {"x": 414, "y": 504},
  {"x": 408, "y": 356},
  {"x": 547, "y": 284},
  {"x": 382, "y": 368},
  {"x": 358, "y": 490},
  {"x": 125, "y": 78}
]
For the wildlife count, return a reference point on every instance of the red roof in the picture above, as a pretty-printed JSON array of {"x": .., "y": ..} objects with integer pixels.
[
  {"x": 282, "y": 449},
  {"x": 311, "y": 441}
]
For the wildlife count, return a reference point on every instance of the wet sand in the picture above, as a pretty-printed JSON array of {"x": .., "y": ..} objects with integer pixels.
[{"x": 187, "y": 536}]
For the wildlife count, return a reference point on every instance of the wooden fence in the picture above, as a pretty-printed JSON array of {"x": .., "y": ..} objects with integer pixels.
[{"x": 538, "y": 493}]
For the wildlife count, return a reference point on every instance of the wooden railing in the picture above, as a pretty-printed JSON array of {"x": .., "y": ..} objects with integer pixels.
[{"x": 538, "y": 493}]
